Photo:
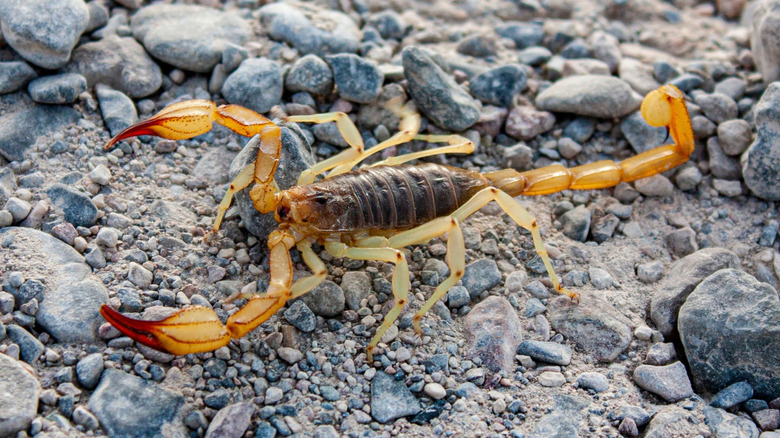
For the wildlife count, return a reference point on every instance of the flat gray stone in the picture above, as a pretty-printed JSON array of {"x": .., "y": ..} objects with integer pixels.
[
  {"x": 590, "y": 95},
  {"x": 670, "y": 382},
  {"x": 19, "y": 393},
  {"x": 391, "y": 399},
  {"x": 21, "y": 129}
]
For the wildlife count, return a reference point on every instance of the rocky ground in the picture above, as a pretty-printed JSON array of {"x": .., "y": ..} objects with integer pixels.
[{"x": 676, "y": 333}]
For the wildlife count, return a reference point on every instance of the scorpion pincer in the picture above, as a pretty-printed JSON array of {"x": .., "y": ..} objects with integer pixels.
[{"x": 372, "y": 212}]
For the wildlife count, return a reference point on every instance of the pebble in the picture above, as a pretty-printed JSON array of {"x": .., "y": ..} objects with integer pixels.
[
  {"x": 44, "y": 32},
  {"x": 638, "y": 75},
  {"x": 139, "y": 276},
  {"x": 219, "y": 399},
  {"x": 256, "y": 84},
  {"x": 640, "y": 135},
  {"x": 681, "y": 242},
  {"x": 600, "y": 278},
  {"x": 231, "y": 421},
  {"x": 14, "y": 75},
  {"x": 590, "y": 95},
  {"x": 576, "y": 223},
  {"x": 606, "y": 48},
  {"x": 357, "y": 79},
  {"x": 746, "y": 328},
  {"x": 656, "y": 185},
  {"x": 119, "y": 62},
  {"x": 310, "y": 74},
  {"x": 89, "y": 370},
  {"x": 563, "y": 419},
  {"x": 732, "y": 395},
  {"x": 661, "y": 354},
  {"x": 57, "y": 89},
  {"x": 549, "y": 352},
  {"x": 21, "y": 129},
  {"x": 551, "y": 379},
  {"x": 593, "y": 380},
  {"x": 436, "y": 94},
  {"x": 481, "y": 45},
  {"x": 524, "y": 35},
  {"x": 457, "y": 297},
  {"x": 198, "y": 34},
  {"x": 18, "y": 208},
  {"x": 717, "y": 107},
  {"x": 19, "y": 394},
  {"x": 289, "y": 355},
  {"x": 480, "y": 276},
  {"x": 434, "y": 391},
  {"x": 329, "y": 31},
  {"x": 117, "y": 109},
  {"x": 391, "y": 399},
  {"x": 767, "y": 419},
  {"x": 500, "y": 85},
  {"x": 760, "y": 171},
  {"x": 688, "y": 178},
  {"x": 327, "y": 299},
  {"x": 670, "y": 382},
  {"x": 118, "y": 390},
  {"x": 299, "y": 315},
  {"x": 525, "y": 122},
  {"x": 724, "y": 423},
  {"x": 534, "y": 56},
  {"x": 533, "y": 307},
  {"x": 493, "y": 332},
  {"x": 734, "y": 136},
  {"x": 30, "y": 347}
]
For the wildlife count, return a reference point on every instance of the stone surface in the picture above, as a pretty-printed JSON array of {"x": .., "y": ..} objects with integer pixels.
[
  {"x": 20, "y": 130},
  {"x": 590, "y": 95},
  {"x": 760, "y": 167},
  {"x": 256, "y": 84},
  {"x": 493, "y": 332},
  {"x": 309, "y": 28},
  {"x": 500, "y": 85},
  {"x": 549, "y": 352},
  {"x": 670, "y": 382},
  {"x": 57, "y": 89},
  {"x": 190, "y": 37},
  {"x": 564, "y": 419},
  {"x": 19, "y": 393},
  {"x": 43, "y": 31},
  {"x": 77, "y": 206},
  {"x": 391, "y": 399},
  {"x": 730, "y": 331},
  {"x": 732, "y": 395},
  {"x": 357, "y": 79},
  {"x": 231, "y": 421},
  {"x": 765, "y": 40},
  {"x": 117, "y": 109},
  {"x": 14, "y": 75},
  {"x": 729, "y": 425}
]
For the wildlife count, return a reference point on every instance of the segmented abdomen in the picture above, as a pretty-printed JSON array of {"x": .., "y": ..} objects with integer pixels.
[{"x": 398, "y": 197}]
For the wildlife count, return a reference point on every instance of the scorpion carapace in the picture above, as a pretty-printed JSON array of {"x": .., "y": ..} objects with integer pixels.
[{"x": 374, "y": 211}]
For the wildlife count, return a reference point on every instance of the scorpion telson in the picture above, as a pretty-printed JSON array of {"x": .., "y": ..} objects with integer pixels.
[{"x": 374, "y": 211}]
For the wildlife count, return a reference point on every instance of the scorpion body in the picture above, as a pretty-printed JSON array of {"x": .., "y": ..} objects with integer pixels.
[{"x": 374, "y": 211}]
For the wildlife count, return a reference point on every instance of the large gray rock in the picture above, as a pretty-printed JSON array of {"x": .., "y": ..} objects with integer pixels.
[
  {"x": 762, "y": 158},
  {"x": 765, "y": 38},
  {"x": 128, "y": 406},
  {"x": 43, "y": 31},
  {"x": 21, "y": 129},
  {"x": 256, "y": 84},
  {"x": 682, "y": 278},
  {"x": 19, "y": 393},
  {"x": 590, "y": 95},
  {"x": 121, "y": 63},
  {"x": 309, "y": 28},
  {"x": 730, "y": 329},
  {"x": 593, "y": 324},
  {"x": 190, "y": 37},
  {"x": 436, "y": 94}
]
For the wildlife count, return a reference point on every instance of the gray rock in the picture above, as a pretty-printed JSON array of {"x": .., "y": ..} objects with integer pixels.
[
  {"x": 524, "y": 35},
  {"x": 117, "y": 109},
  {"x": 639, "y": 415},
  {"x": 684, "y": 275},
  {"x": 436, "y": 94},
  {"x": 500, "y": 85},
  {"x": 457, "y": 297},
  {"x": 129, "y": 406},
  {"x": 564, "y": 419},
  {"x": 391, "y": 399},
  {"x": 21, "y": 129},
  {"x": 525, "y": 122},
  {"x": 256, "y": 84},
  {"x": 310, "y": 74},
  {"x": 30, "y": 347},
  {"x": 760, "y": 166},
  {"x": 601, "y": 230},
  {"x": 722, "y": 165},
  {"x": 681, "y": 242},
  {"x": 640, "y": 135},
  {"x": 550, "y": 352},
  {"x": 356, "y": 286},
  {"x": 44, "y": 31},
  {"x": 299, "y": 315},
  {"x": 594, "y": 325},
  {"x": 119, "y": 62},
  {"x": 732, "y": 395},
  {"x": 606, "y": 48},
  {"x": 480, "y": 276},
  {"x": 734, "y": 136},
  {"x": 590, "y": 95},
  {"x": 18, "y": 208},
  {"x": 389, "y": 23},
  {"x": 638, "y": 75},
  {"x": 687, "y": 82},
  {"x": 764, "y": 40},
  {"x": 592, "y": 380},
  {"x": 231, "y": 421},
  {"x": 717, "y": 107},
  {"x": 733, "y": 87},
  {"x": 214, "y": 166},
  {"x": 19, "y": 393},
  {"x": 724, "y": 424},
  {"x": 78, "y": 208},
  {"x": 534, "y": 56},
  {"x": 296, "y": 157},
  {"x": 326, "y": 300},
  {"x": 189, "y": 37},
  {"x": 139, "y": 276},
  {"x": 310, "y": 29},
  {"x": 89, "y": 370},
  {"x": 576, "y": 223},
  {"x": 661, "y": 354},
  {"x": 672, "y": 420},
  {"x": 481, "y": 45},
  {"x": 728, "y": 344},
  {"x": 98, "y": 15},
  {"x": 57, "y": 89},
  {"x": 71, "y": 312},
  {"x": 493, "y": 333},
  {"x": 14, "y": 75},
  {"x": 670, "y": 382},
  {"x": 357, "y": 79}
]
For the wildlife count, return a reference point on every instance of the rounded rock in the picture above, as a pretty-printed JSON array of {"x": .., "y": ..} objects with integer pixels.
[
  {"x": 256, "y": 84},
  {"x": 58, "y": 89}
]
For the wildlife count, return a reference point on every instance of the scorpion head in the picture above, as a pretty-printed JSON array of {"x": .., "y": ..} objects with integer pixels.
[{"x": 319, "y": 210}]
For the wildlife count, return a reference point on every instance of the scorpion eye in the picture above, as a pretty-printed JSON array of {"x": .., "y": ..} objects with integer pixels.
[{"x": 322, "y": 200}]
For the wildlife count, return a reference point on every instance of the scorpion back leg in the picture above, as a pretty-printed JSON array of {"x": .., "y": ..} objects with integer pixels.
[{"x": 457, "y": 145}]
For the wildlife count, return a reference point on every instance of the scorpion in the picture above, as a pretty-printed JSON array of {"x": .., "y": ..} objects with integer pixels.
[{"x": 374, "y": 211}]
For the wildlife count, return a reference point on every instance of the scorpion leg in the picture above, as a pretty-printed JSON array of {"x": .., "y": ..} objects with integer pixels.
[
  {"x": 457, "y": 145},
  {"x": 400, "y": 281},
  {"x": 456, "y": 255}
]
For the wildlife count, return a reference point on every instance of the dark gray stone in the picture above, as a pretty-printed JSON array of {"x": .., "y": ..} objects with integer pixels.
[
  {"x": 524, "y": 35},
  {"x": 44, "y": 31},
  {"x": 732, "y": 395},
  {"x": 30, "y": 348},
  {"x": 310, "y": 74},
  {"x": 590, "y": 95},
  {"x": 310, "y": 29},
  {"x": 500, "y": 85},
  {"x": 534, "y": 56},
  {"x": 57, "y": 89},
  {"x": 640, "y": 135},
  {"x": 299, "y": 315},
  {"x": 21, "y": 129},
  {"x": 684, "y": 275},
  {"x": 550, "y": 352},
  {"x": 356, "y": 286},
  {"x": 736, "y": 342},
  {"x": 436, "y": 94},
  {"x": 89, "y": 370},
  {"x": 357, "y": 79},
  {"x": 576, "y": 223},
  {"x": 71, "y": 312},
  {"x": 256, "y": 84},
  {"x": 190, "y": 37},
  {"x": 14, "y": 75},
  {"x": 763, "y": 157},
  {"x": 326, "y": 300},
  {"x": 77, "y": 206},
  {"x": 480, "y": 276},
  {"x": 128, "y": 406},
  {"x": 717, "y": 107},
  {"x": 389, "y": 24},
  {"x": 391, "y": 399},
  {"x": 119, "y": 62}
]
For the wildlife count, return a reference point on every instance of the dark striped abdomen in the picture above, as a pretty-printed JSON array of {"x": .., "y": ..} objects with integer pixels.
[{"x": 397, "y": 197}]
